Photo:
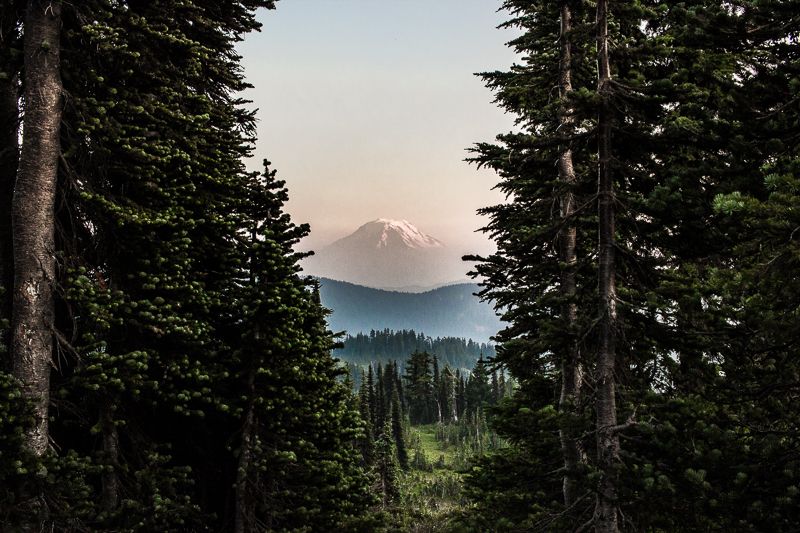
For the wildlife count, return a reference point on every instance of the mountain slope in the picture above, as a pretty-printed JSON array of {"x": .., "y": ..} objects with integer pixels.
[
  {"x": 387, "y": 254},
  {"x": 450, "y": 311}
]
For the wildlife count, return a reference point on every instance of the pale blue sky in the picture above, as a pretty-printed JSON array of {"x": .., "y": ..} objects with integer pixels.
[{"x": 366, "y": 108}]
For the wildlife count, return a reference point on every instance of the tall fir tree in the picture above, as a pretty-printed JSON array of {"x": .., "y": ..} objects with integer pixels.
[
  {"x": 172, "y": 264},
  {"x": 367, "y": 440},
  {"x": 373, "y": 407},
  {"x": 381, "y": 409},
  {"x": 398, "y": 432},
  {"x": 419, "y": 389},
  {"x": 616, "y": 314}
]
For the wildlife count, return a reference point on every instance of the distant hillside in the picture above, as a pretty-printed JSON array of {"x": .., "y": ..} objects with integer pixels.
[
  {"x": 380, "y": 347},
  {"x": 450, "y": 311}
]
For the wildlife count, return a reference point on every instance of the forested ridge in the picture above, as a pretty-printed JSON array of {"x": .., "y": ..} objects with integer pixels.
[
  {"x": 449, "y": 311},
  {"x": 379, "y": 347},
  {"x": 165, "y": 367}
]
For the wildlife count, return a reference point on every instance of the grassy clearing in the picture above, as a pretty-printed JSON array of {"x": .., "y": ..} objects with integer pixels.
[{"x": 431, "y": 490}]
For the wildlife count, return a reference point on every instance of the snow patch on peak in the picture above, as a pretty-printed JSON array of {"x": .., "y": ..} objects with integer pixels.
[{"x": 412, "y": 237}]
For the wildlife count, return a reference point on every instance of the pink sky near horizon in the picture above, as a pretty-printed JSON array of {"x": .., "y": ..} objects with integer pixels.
[{"x": 366, "y": 108}]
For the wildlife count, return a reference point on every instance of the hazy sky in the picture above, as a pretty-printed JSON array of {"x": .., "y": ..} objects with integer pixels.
[{"x": 366, "y": 108}]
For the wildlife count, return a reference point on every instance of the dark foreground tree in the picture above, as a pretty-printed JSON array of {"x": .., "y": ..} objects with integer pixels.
[
  {"x": 193, "y": 384},
  {"x": 33, "y": 221},
  {"x": 33, "y": 228},
  {"x": 628, "y": 339},
  {"x": 283, "y": 381}
]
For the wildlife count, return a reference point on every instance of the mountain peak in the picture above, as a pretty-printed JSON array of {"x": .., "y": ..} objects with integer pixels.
[
  {"x": 410, "y": 235},
  {"x": 387, "y": 253}
]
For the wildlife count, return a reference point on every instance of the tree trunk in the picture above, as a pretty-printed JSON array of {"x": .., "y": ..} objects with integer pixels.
[
  {"x": 32, "y": 222},
  {"x": 607, "y": 438},
  {"x": 571, "y": 369},
  {"x": 32, "y": 214}
]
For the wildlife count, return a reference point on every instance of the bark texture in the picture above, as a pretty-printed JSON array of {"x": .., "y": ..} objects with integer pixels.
[
  {"x": 571, "y": 368},
  {"x": 32, "y": 215},
  {"x": 607, "y": 438}
]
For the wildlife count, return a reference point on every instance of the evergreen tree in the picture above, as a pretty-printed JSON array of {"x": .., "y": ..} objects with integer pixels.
[
  {"x": 291, "y": 392},
  {"x": 381, "y": 414},
  {"x": 33, "y": 220},
  {"x": 389, "y": 382},
  {"x": 373, "y": 406},
  {"x": 496, "y": 391},
  {"x": 367, "y": 439},
  {"x": 398, "y": 432},
  {"x": 437, "y": 385},
  {"x": 459, "y": 403},
  {"x": 446, "y": 393},
  {"x": 419, "y": 391},
  {"x": 191, "y": 356},
  {"x": 386, "y": 469},
  {"x": 478, "y": 390},
  {"x": 398, "y": 385},
  {"x": 614, "y": 296}
]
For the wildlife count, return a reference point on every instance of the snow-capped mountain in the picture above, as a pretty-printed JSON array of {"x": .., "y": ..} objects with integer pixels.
[
  {"x": 387, "y": 233},
  {"x": 388, "y": 254}
]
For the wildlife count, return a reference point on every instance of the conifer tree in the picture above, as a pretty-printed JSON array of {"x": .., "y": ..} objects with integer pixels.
[
  {"x": 478, "y": 390},
  {"x": 32, "y": 225},
  {"x": 191, "y": 356},
  {"x": 373, "y": 407},
  {"x": 437, "y": 385},
  {"x": 653, "y": 119},
  {"x": 419, "y": 391},
  {"x": 501, "y": 385},
  {"x": 382, "y": 412},
  {"x": 446, "y": 393},
  {"x": 32, "y": 217},
  {"x": 386, "y": 469},
  {"x": 389, "y": 382},
  {"x": 459, "y": 400},
  {"x": 288, "y": 386},
  {"x": 398, "y": 384},
  {"x": 367, "y": 439},
  {"x": 398, "y": 432}
]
